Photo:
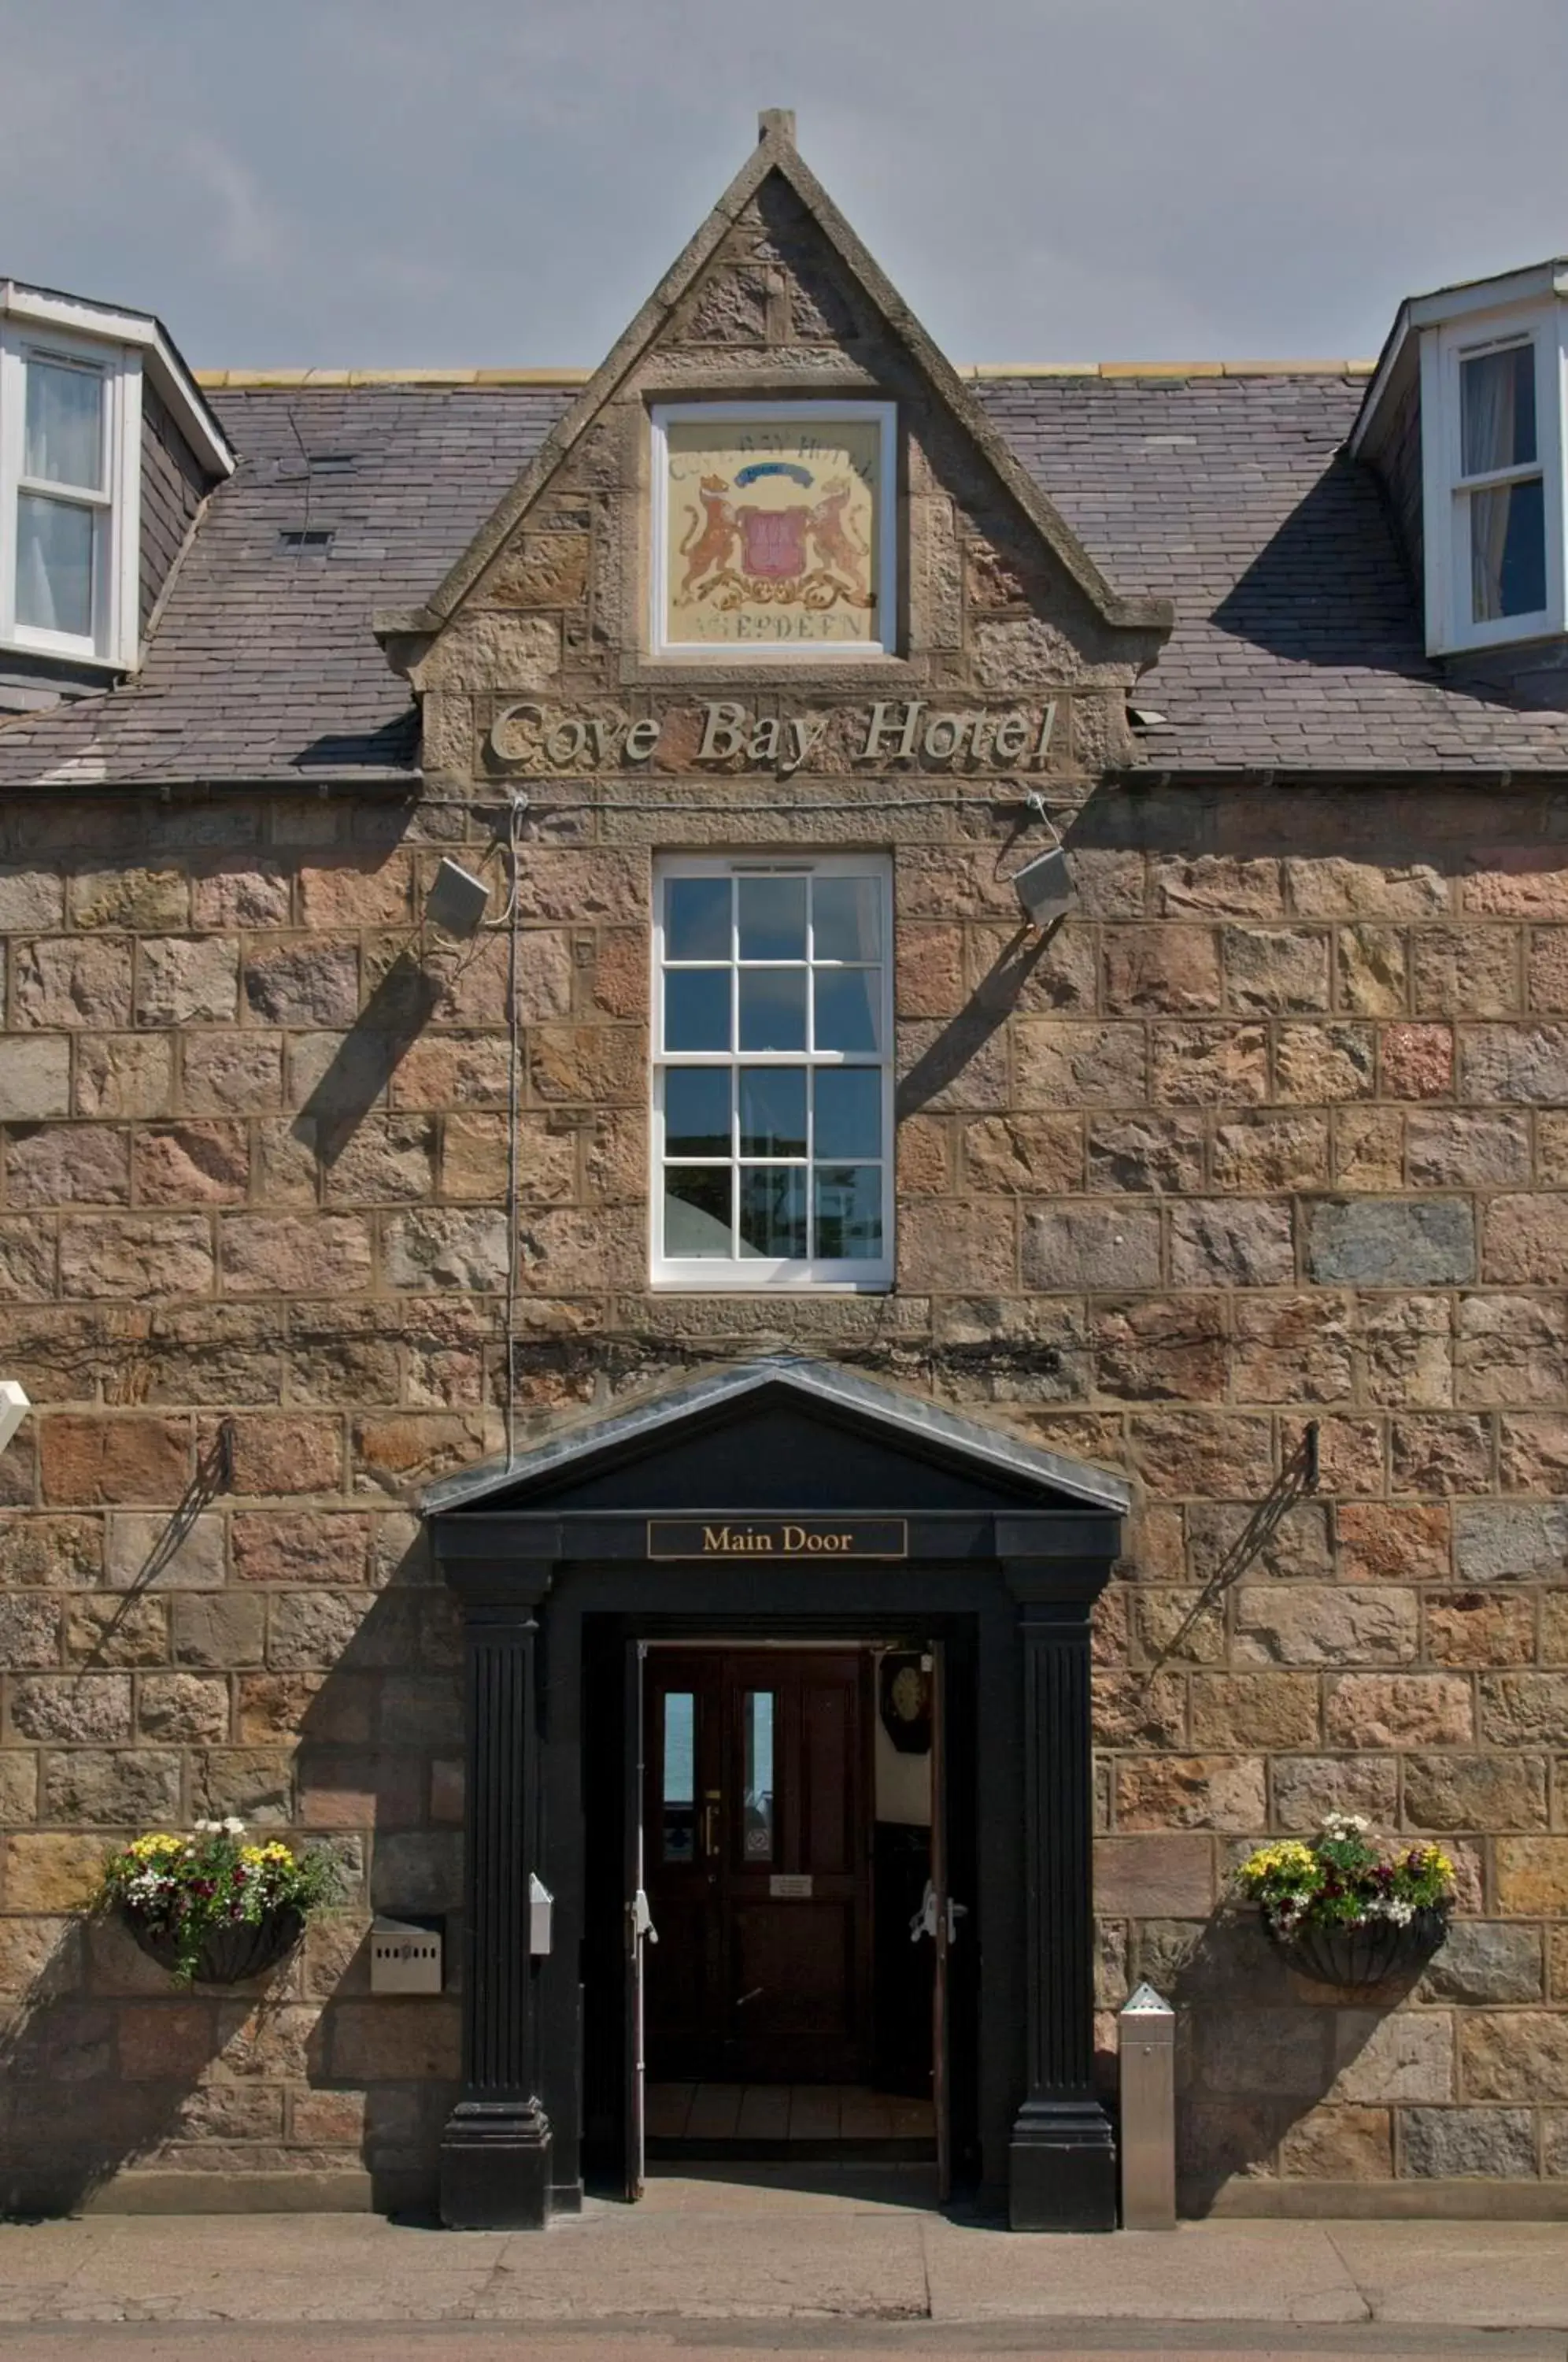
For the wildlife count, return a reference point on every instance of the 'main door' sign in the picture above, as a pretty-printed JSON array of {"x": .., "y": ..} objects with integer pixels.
[{"x": 777, "y": 1537}]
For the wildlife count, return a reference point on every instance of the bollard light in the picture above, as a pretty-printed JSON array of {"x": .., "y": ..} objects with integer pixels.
[{"x": 1146, "y": 2033}]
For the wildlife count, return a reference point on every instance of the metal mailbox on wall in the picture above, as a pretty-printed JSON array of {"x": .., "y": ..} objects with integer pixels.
[
  {"x": 541, "y": 1915},
  {"x": 405, "y": 1958}
]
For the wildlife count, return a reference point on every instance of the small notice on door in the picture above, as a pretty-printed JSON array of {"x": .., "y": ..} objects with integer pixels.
[
  {"x": 791, "y": 1885},
  {"x": 777, "y": 1537}
]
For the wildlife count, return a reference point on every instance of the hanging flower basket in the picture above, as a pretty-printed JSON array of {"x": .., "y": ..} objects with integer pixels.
[
  {"x": 1357, "y": 1957},
  {"x": 1343, "y": 1910},
  {"x": 210, "y": 1908},
  {"x": 227, "y": 1955}
]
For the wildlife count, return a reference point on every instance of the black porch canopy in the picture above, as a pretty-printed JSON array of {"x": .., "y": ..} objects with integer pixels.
[{"x": 780, "y": 1497}]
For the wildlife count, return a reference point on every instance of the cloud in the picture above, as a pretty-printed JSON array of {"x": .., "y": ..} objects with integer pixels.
[{"x": 377, "y": 180}]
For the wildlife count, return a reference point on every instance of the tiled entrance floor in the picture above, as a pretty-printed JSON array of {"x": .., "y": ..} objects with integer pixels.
[{"x": 786, "y": 2113}]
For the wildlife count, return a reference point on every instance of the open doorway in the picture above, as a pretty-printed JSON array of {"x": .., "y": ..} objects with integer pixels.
[{"x": 795, "y": 1989}]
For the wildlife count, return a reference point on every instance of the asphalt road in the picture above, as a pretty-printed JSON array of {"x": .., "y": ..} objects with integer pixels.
[{"x": 403, "y": 2341}]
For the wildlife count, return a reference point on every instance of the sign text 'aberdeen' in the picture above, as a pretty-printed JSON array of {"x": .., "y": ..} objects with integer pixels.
[{"x": 794, "y": 1538}]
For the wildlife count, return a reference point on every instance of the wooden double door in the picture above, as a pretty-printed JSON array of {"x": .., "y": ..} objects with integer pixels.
[{"x": 756, "y": 1849}]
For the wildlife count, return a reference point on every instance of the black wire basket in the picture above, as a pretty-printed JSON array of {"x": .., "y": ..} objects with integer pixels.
[
  {"x": 229, "y": 1954},
  {"x": 1356, "y": 1959}
]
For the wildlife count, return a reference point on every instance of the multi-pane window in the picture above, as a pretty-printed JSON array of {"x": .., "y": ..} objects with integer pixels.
[
  {"x": 1501, "y": 487},
  {"x": 772, "y": 1088},
  {"x": 70, "y": 431},
  {"x": 63, "y": 498}
]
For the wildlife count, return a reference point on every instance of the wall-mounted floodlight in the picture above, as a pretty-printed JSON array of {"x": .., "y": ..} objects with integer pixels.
[
  {"x": 13, "y": 1409},
  {"x": 1044, "y": 885},
  {"x": 457, "y": 900}
]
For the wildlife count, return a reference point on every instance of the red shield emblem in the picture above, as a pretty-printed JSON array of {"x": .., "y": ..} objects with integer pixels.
[{"x": 773, "y": 543}]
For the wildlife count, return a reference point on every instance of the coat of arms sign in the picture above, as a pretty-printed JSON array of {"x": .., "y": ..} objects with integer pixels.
[{"x": 772, "y": 525}]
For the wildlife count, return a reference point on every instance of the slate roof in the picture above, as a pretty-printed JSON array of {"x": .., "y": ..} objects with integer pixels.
[{"x": 1298, "y": 643}]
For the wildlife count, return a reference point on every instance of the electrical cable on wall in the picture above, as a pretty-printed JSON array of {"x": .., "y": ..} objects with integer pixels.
[{"x": 509, "y": 919}]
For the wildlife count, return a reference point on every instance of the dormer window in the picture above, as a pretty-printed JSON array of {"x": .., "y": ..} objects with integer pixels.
[
  {"x": 99, "y": 416},
  {"x": 70, "y": 423},
  {"x": 63, "y": 504},
  {"x": 1500, "y": 484},
  {"x": 1464, "y": 421}
]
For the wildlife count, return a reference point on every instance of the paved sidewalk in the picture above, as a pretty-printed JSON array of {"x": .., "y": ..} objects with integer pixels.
[{"x": 810, "y": 2271}]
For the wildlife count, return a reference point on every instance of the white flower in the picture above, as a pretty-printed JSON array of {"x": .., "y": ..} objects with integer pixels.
[
  {"x": 209, "y": 1829},
  {"x": 233, "y": 1828},
  {"x": 1345, "y": 1825}
]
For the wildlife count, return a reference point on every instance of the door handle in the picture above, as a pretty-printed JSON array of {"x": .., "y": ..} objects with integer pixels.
[
  {"x": 639, "y": 1920},
  {"x": 924, "y": 1920},
  {"x": 709, "y": 1823}
]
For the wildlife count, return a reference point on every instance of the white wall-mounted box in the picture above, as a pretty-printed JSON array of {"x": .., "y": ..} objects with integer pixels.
[
  {"x": 541, "y": 1915},
  {"x": 405, "y": 1959}
]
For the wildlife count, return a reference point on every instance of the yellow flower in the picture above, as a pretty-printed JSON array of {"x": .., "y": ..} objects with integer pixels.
[{"x": 1289, "y": 1858}]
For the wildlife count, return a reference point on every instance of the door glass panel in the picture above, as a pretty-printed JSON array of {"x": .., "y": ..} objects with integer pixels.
[
  {"x": 697, "y": 919},
  {"x": 679, "y": 1796},
  {"x": 756, "y": 1723},
  {"x": 772, "y": 918}
]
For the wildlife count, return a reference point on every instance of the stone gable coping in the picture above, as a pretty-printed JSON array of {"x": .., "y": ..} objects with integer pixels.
[{"x": 775, "y": 154}]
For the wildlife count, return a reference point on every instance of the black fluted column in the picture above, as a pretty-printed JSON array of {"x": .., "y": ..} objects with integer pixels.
[
  {"x": 496, "y": 2151},
  {"x": 1062, "y": 2159}
]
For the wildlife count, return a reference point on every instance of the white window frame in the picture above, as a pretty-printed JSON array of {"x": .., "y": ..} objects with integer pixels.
[
  {"x": 113, "y": 641},
  {"x": 1450, "y": 626},
  {"x": 693, "y": 1276},
  {"x": 884, "y": 416}
]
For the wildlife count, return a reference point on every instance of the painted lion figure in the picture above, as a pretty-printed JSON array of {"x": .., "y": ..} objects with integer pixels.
[{"x": 709, "y": 542}]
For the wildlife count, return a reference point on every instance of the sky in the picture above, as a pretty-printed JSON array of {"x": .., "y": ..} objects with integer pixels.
[{"x": 493, "y": 182}]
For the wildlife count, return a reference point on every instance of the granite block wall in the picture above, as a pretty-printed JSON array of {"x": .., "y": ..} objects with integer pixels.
[
  {"x": 1254, "y": 1138},
  {"x": 1273, "y": 1130}
]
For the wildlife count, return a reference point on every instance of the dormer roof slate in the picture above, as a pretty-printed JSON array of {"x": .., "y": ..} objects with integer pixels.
[{"x": 1297, "y": 647}]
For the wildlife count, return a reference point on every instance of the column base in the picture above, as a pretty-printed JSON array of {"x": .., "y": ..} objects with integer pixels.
[
  {"x": 495, "y": 2166},
  {"x": 1061, "y": 2168}
]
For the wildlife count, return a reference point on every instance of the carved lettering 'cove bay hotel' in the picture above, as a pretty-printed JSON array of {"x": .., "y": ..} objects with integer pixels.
[{"x": 783, "y": 1155}]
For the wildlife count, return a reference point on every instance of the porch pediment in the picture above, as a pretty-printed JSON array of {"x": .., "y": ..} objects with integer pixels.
[{"x": 781, "y": 1437}]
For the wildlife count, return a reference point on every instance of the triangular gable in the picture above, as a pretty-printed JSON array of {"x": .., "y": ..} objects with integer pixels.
[
  {"x": 776, "y": 155},
  {"x": 610, "y": 1462}
]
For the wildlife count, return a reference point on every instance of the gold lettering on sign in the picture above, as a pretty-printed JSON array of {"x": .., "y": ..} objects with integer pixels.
[
  {"x": 782, "y": 1538},
  {"x": 527, "y": 736}
]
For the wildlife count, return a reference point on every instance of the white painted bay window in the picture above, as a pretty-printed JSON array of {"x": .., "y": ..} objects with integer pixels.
[{"x": 772, "y": 1117}]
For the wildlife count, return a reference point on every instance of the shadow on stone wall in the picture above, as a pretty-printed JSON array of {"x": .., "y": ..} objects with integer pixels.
[
  {"x": 367, "y": 1058},
  {"x": 107, "y": 2068},
  {"x": 104, "y": 2066},
  {"x": 378, "y": 1773},
  {"x": 1258, "y": 2045}
]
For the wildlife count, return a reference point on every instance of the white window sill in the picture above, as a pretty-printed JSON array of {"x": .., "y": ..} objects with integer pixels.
[
  {"x": 58, "y": 650},
  {"x": 727, "y": 1285}
]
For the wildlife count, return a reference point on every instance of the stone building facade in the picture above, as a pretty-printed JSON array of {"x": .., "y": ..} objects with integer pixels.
[{"x": 308, "y": 1204}]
